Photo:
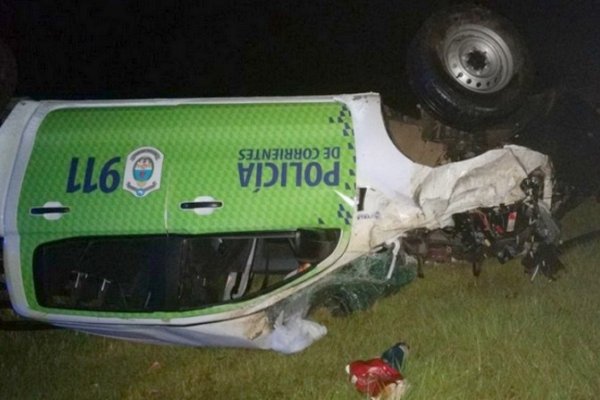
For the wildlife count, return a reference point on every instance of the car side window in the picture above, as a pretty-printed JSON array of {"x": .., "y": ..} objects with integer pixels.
[{"x": 172, "y": 272}]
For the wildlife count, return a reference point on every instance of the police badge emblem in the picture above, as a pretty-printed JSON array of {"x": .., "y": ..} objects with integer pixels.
[{"x": 143, "y": 171}]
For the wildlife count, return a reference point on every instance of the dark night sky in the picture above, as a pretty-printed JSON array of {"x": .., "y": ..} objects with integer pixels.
[{"x": 133, "y": 49}]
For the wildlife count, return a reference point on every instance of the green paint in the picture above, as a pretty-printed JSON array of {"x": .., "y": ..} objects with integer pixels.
[{"x": 273, "y": 166}]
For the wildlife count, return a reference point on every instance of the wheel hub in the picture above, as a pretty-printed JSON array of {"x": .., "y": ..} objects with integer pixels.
[{"x": 478, "y": 58}]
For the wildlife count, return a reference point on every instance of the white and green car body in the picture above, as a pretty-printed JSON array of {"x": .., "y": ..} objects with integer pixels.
[{"x": 155, "y": 220}]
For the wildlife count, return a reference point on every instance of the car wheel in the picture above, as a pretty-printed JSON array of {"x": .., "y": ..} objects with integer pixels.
[
  {"x": 469, "y": 67},
  {"x": 8, "y": 75}
]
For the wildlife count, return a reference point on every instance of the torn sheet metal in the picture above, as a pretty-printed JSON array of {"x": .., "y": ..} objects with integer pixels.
[
  {"x": 402, "y": 195},
  {"x": 490, "y": 179}
]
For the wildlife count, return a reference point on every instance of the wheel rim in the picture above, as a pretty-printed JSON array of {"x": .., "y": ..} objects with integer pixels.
[{"x": 478, "y": 59}]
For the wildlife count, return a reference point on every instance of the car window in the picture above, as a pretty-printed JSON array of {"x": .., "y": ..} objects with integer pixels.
[{"x": 172, "y": 272}]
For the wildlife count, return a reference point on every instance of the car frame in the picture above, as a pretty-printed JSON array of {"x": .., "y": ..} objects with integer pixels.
[{"x": 374, "y": 194}]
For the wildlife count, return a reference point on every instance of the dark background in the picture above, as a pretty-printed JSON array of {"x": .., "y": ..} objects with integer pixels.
[{"x": 136, "y": 49}]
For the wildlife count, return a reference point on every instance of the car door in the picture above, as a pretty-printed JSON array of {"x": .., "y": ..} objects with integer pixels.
[
  {"x": 259, "y": 167},
  {"x": 116, "y": 199}
]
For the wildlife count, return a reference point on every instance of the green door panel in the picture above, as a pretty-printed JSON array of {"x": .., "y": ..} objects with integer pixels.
[
  {"x": 186, "y": 169},
  {"x": 270, "y": 166}
]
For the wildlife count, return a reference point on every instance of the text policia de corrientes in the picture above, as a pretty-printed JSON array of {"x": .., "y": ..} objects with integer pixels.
[{"x": 283, "y": 167}]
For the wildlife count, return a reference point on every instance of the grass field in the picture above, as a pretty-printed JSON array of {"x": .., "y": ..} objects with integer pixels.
[{"x": 498, "y": 336}]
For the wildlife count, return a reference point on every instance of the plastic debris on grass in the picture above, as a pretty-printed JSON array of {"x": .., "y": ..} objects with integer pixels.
[
  {"x": 294, "y": 334},
  {"x": 381, "y": 378}
]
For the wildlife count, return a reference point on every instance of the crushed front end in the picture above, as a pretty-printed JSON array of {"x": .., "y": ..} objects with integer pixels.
[{"x": 525, "y": 228}]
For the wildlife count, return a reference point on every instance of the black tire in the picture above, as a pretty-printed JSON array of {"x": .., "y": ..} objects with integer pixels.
[
  {"x": 469, "y": 67},
  {"x": 8, "y": 75}
]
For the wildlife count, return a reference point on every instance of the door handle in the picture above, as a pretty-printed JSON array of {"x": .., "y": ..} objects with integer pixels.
[
  {"x": 51, "y": 211},
  {"x": 203, "y": 205},
  {"x": 192, "y": 205}
]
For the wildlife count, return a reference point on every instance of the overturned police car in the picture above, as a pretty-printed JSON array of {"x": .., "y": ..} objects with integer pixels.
[{"x": 222, "y": 222}]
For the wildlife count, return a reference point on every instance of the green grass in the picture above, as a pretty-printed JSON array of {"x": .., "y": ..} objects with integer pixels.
[{"x": 498, "y": 336}]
